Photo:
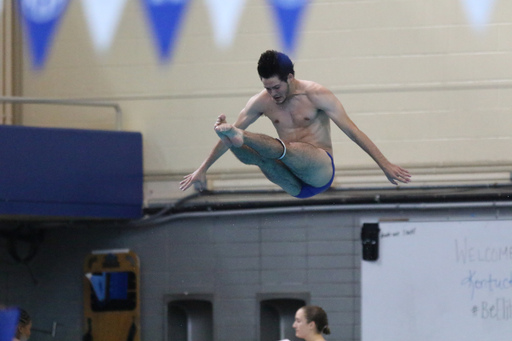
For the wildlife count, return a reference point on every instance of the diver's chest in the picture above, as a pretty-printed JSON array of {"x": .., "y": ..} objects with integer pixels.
[{"x": 293, "y": 115}]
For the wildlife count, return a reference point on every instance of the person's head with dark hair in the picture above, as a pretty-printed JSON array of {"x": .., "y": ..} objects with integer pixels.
[
  {"x": 277, "y": 75},
  {"x": 310, "y": 322},
  {"x": 273, "y": 63},
  {"x": 23, "y": 330}
]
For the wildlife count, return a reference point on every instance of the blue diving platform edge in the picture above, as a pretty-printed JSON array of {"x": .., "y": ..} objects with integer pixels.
[{"x": 70, "y": 173}]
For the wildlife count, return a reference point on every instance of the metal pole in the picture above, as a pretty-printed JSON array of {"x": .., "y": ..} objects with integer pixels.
[{"x": 71, "y": 102}]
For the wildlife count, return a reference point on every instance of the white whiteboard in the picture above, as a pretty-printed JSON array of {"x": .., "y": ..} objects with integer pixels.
[{"x": 439, "y": 281}]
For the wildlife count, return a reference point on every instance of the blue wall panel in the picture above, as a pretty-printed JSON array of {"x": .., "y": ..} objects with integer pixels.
[{"x": 52, "y": 172}]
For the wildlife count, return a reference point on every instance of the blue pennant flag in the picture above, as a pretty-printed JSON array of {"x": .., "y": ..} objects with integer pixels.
[
  {"x": 289, "y": 14},
  {"x": 41, "y": 18},
  {"x": 165, "y": 18}
]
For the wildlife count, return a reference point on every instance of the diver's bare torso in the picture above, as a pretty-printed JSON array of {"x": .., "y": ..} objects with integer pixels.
[
  {"x": 298, "y": 119},
  {"x": 301, "y": 112}
]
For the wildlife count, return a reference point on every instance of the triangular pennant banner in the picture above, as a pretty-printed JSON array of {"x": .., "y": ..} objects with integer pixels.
[
  {"x": 165, "y": 18},
  {"x": 225, "y": 15},
  {"x": 478, "y": 11},
  {"x": 102, "y": 18},
  {"x": 41, "y": 19},
  {"x": 289, "y": 14}
]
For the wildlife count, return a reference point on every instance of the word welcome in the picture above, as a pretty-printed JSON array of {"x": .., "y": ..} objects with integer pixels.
[{"x": 471, "y": 254}]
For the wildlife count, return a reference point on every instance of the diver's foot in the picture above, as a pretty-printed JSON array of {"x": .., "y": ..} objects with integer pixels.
[{"x": 229, "y": 134}]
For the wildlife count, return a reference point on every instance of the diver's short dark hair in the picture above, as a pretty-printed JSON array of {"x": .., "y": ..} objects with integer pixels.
[{"x": 273, "y": 63}]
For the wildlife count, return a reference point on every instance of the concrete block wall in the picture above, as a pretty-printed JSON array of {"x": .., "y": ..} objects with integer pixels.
[{"x": 233, "y": 258}]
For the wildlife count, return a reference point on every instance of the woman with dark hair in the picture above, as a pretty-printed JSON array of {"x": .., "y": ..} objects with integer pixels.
[
  {"x": 310, "y": 323},
  {"x": 24, "y": 327}
]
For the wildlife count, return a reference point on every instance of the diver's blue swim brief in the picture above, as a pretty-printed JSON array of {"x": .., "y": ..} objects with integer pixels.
[{"x": 308, "y": 191}]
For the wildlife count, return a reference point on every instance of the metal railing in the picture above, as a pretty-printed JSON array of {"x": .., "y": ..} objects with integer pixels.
[{"x": 71, "y": 102}]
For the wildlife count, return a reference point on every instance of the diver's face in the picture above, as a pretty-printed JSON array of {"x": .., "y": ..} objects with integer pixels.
[{"x": 276, "y": 88}]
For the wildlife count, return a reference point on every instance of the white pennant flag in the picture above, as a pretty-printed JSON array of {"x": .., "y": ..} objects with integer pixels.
[
  {"x": 102, "y": 18},
  {"x": 224, "y": 15},
  {"x": 478, "y": 11}
]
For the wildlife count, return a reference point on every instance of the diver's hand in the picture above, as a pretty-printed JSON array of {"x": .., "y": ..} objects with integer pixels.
[
  {"x": 395, "y": 173},
  {"x": 198, "y": 177}
]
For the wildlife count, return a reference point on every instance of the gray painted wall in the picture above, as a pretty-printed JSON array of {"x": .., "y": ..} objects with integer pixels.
[{"x": 234, "y": 258}]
